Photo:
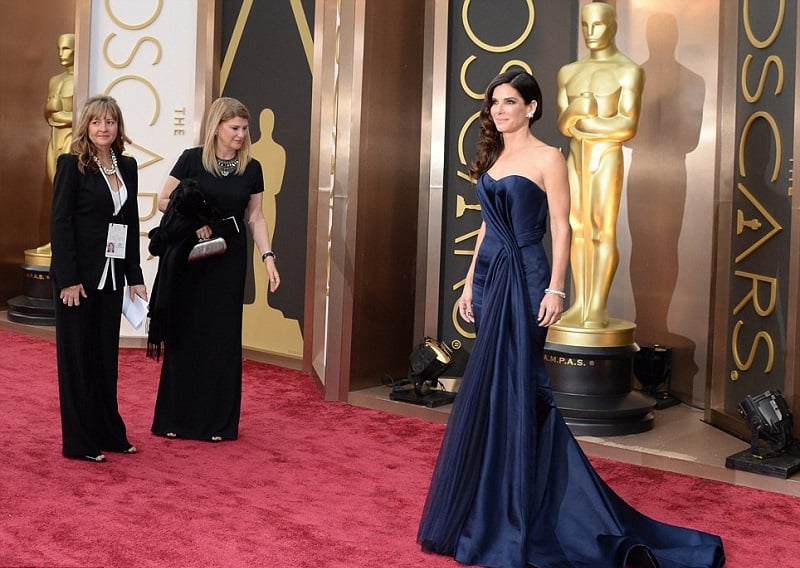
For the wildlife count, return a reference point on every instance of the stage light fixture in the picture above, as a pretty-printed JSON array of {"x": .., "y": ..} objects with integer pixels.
[
  {"x": 770, "y": 419},
  {"x": 652, "y": 367},
  {"x": 428, "y": 361}
]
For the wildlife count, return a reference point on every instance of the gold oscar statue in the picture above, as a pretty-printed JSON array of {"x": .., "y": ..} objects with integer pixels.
[
  {"x": 35, "y": 305},
  {"x": 589, "y": 355},
  {"x": 599, "y": 101},
  {"x": 58, "y": 113}
]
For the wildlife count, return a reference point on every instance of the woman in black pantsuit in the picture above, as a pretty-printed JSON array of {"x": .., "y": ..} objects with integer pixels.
[{"x": 94, "y": 231}]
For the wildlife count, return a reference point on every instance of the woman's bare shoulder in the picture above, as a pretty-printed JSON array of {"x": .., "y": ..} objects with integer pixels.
[{"x": 546, "y": 153}]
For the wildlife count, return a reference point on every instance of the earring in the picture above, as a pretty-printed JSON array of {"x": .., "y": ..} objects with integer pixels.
[{"x": 529, "y": 114}]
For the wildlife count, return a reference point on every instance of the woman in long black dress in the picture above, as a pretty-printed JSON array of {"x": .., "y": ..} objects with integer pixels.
[
  {"x": 199, "y": 395},
  {"x": 512, "y": 487},
  {"x": 94, "y": 211}
]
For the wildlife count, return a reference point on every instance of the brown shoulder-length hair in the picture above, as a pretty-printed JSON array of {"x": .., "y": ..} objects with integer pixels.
[
  {"x": 490, "y": 142},
  {"x": 96, "y": 107},
  {"x": 221, "y": 110}
]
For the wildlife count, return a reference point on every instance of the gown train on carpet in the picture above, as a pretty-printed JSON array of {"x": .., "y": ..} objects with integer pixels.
[{"x": 512, "y": 487}]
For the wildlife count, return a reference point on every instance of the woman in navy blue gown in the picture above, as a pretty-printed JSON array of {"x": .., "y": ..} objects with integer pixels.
[{"x": 512, "y": 487}]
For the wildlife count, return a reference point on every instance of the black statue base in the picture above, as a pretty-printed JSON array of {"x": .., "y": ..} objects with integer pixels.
[
  {"x": 591, "y": 374},
  {"x": 35, "y": 306},
  {"x": 606, "y": 415},
  {"x": 31, "y": 311},
  {"x": 783, "y": 465}
]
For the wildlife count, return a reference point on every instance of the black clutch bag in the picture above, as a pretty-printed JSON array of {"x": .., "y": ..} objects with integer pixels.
[{"x": 207, "y": 248}]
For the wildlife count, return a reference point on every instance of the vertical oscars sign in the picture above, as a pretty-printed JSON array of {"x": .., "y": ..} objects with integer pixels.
[
  {"x": 143, "y": 54},
  {"x": 762, "y": 198},
  {"x": 484, "y": 41}
]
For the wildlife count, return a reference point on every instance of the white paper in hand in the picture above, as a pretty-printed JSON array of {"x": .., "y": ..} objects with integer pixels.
[{"x": 134, "y": 311}]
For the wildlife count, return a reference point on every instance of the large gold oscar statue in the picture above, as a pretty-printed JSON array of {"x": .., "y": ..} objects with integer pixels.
[
  {"x": 599, "y": 99},
  {"x": 590, "y": 355},
  {"x": 35, "y": 305},
  {"x": 58, "y": 113}
]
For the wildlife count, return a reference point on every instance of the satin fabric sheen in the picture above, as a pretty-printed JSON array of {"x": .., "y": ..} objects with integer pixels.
[{"x": 512, "y": 487}]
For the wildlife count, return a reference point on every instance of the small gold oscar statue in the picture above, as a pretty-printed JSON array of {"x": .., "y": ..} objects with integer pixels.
[
  {"x": 588, "y": 353},
  {"x": 35, "y": 305},
  {"x": 58, "y": 113}
]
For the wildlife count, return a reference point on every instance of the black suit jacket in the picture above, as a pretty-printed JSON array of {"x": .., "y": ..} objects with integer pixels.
[{"x": 82, "y": 209}]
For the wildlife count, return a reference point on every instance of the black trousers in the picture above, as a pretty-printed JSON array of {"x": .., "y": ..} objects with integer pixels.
[{"x": 87, "y": 350}]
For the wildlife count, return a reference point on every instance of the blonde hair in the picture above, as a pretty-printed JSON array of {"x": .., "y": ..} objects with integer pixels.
[
  {"x": 96, "y": 107},
  {"x": 222, "y": 110}
]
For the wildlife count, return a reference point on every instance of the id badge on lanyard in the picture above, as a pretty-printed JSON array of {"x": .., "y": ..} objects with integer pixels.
[{"x": 115, "y": 243}]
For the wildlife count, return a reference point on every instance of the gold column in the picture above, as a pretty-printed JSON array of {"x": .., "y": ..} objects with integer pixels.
[{"x": 364, "y": 198}]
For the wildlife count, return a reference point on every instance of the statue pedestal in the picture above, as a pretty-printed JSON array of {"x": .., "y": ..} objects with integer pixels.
[
  {"x": 591, "y": 374},
  {"x": 35, "y": 306}
]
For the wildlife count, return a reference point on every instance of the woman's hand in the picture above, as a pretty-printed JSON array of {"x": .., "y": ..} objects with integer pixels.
[
  {"x": 465, "y": 305},
  {"x": 138, "y": 290},
  {"x": 272, "y": 273},
  {"x": 71, "y": 295},
  {"x": 550, "y": 309},
  {"x": 203, "y": 232}
]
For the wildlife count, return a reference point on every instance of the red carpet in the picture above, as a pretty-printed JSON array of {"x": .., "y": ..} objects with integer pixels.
[{"x": 308, "y": 484}]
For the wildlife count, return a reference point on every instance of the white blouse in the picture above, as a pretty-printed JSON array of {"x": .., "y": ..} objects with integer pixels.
[{"x": 119, "y": 197}]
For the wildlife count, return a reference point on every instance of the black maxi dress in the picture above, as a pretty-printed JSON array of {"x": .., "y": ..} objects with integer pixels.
[
  {"x": 512, "y": 487},
  {"x": 200, "y": 391}
]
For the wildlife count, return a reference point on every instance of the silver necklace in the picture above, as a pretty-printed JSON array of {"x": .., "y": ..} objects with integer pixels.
[
  {"x": 108, "y": 171},
  {"x": 227, "y": 166}
]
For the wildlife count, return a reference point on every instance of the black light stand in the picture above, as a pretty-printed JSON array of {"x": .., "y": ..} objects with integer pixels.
[
  {"x": 652, "y": 367},
  {"x": 428, "y": 361},
  {"x": 770, "y": 419}
]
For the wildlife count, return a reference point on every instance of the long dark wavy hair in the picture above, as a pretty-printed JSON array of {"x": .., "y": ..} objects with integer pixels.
[
  {"x": 490, "y": 143},
  {"x": 97, "y": 107}
]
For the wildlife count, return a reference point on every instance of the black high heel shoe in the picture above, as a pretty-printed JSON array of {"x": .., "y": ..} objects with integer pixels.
[{"x": 99, "y": 458}]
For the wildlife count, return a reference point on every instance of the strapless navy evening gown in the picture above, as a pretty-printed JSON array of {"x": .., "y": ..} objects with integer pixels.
[{"x": 512, "y": 487}]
